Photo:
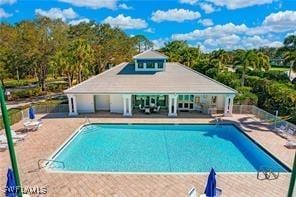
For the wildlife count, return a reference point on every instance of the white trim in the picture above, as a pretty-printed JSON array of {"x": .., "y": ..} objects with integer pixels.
[{"x": 153, "y": 51}]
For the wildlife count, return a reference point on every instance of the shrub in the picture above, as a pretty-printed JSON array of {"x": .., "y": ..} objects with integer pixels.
[
  {"x": 27, "y": 93},
  {"x": 229, "y": 79}
]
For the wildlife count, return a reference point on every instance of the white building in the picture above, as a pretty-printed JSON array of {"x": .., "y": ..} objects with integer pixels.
[{"x": 149, "y": 84}]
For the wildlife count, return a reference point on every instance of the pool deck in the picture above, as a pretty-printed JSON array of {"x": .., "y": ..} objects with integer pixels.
[{"x": 57, "y": 128}]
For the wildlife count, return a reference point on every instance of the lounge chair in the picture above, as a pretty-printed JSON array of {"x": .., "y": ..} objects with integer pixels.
[
  {"x": 157, "y": 109},
  {"x": 290, "y": 144},
  {"x": 141, "y": 108},
  {"x": 192, "y": 192},
  {"x": 3, "y": 147},
  {"x": 282, "y": 131},
  {"x": 18, "y": 136},
  {"x": 3, "y": 139},
  {"x": 32, "y": 125},
  {"x": 291, "y": 131},
  {"x": 198, "y": 108}
]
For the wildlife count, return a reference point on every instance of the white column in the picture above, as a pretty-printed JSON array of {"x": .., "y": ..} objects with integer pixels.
[
  {"x": 175, "y": 104},
  {"x": 72, "y": 105},
  {"x": 172, "y": 102},
  {"x": 127, "y": 104},
  {"x": 170, "y": 105},
  {"x": 228, "y": 105}
]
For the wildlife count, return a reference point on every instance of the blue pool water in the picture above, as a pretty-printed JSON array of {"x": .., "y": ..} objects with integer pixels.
[{"x": 162, "y": 148}]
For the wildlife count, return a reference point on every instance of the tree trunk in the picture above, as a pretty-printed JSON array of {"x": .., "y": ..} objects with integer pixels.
[
  {"x": 243, "y": 78},
  {"x": 69, "y": 80}
]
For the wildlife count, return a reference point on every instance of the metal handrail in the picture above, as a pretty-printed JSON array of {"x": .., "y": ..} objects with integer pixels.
[
  {"x": 47, "y": 161},
  {"x": 267, "y": 172}
]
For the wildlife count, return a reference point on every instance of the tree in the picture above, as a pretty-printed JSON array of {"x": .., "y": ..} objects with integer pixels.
[
  {"x": 245, "y": 60},
  {"x": 263, "y": 61},
  {"x": 82, "y": 56},
  {"x": 220, "y": 58},
  {"x": 142, "y": 43},
  {"x": 290, "y": 53}
]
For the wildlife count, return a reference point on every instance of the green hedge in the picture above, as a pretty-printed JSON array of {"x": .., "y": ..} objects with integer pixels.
[{"x": 273, "y": 95}]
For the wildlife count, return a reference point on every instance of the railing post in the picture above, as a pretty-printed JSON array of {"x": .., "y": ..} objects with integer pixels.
[
  {"x": 12, "y": 155},
  {"x": 293, "y": 178}
]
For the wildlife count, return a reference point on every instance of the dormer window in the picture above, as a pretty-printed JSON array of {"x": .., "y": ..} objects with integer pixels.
[
  {"x": 150, "y": 61},
  {"x": 140, "y": 65}
]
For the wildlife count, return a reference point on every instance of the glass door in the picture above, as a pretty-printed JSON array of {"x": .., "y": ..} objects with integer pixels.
[{"x": 185, "y": 102}]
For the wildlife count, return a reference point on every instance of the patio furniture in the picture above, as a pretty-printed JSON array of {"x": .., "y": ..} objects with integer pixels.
[
  {"x": 3, "y": 139},
  {"x": 157, "y": 109},
  {"x": 32, "y": 125},
  {"x": 282, "y": 131},
  {"x": 198, "y": 108},
  {"x": 17, "y": 136},
  {"x": 3, "y": 147},
  {"x": 147, "y": 110},
  {"x": 141, "y": 108},
  {"x": 192, "y": 192},
  {"x": 291, "y": 144},
  {"x": 212, "y": 110}
]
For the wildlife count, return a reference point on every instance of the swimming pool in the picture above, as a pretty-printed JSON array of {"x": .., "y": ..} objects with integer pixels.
[{"x": 163, "y": 148}]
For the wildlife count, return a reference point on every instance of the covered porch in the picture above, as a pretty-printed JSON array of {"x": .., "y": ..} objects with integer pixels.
[{"x": 171, "y": 105}]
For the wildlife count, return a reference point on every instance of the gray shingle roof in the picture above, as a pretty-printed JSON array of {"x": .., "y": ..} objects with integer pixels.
[
  {"x": 175, "y": 79},
  {"x": 150, "y": 54}
]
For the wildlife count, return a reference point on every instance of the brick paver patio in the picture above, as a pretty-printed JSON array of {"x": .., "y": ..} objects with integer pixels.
[{"x": 57, "y": 128}]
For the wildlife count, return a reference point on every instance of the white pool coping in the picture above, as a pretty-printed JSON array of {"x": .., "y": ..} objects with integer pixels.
[{"x": 79, "y": 129}]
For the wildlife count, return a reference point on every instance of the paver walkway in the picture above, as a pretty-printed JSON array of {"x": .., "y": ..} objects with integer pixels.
[{"x": 55, "y": 130}]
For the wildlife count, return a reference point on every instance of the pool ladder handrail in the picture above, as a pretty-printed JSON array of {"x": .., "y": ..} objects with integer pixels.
[
  {"x": 218, "y": 121},
  {"x": 267, "y": 172},
  {"x": 87, "y": 121},
  {"x": 40, "y": 161}
]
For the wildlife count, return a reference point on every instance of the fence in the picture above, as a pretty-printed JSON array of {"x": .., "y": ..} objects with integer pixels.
[
  {"x": 264, "y": 117},
  {"x": 18, "y": 115}
]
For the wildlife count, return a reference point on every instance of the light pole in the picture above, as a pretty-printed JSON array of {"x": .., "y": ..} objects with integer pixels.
[{"x": 12, "y": 155}]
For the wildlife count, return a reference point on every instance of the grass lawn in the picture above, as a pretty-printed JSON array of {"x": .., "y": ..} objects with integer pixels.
[{"x": 279, "y": 68}]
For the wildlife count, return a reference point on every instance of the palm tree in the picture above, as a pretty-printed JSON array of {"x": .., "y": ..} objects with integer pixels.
[
  {"x": 246, "y": 59},
  {"x": 83, "y": 56},
  {"x": 263, "y": 61},
  {"x": 290, "y": 58},
  {"x": 220, "y": 58}
]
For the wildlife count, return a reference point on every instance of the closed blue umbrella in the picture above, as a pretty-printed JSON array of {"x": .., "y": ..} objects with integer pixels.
[
  {"x": 11, "y": 184},
  {"x": 31, "y": 113},
  {"x": 210, "y": 190}
]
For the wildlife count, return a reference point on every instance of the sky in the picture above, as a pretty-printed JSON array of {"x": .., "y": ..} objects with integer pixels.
[{"x": 210, "y": 24}]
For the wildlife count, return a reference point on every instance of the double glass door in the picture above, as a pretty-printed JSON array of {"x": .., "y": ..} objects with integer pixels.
[{"x": 185, "y": 102}]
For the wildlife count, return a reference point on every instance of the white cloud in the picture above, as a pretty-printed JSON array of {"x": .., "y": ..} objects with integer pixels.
[
  {"x": 149, "y": 30},
  {"x": 281, "y": 19},
  {"x": 76, "y": 22},
  {"x": 206, "y": 22},
  {"x": 215, "y": 31},
  {"x": 207, "y": 8},
  {"x": 191, "y": 2},
  {"x": 57, "y": 13},
  {"x": 159, "y": 43},
  {"x": 126, "y": 22},
  {"x": 178, "y": 15},
  {"x": 4, "y": 14},
  {"x": 235, "y": 4},
  {"x": 124, "y": 6},
  {"x": 231, "y": 36},
  {"x": 2, "y": 2},
  {"x": 93, "y": 4}
]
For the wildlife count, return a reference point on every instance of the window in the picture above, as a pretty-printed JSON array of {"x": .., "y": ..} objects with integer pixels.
[
  {"x": 197, "y": 99},
  {"x": 180, "y": 98},
  {"x": 140, "y": 65},
  {"x": 160, "y": 65},
  {"x": 150, "y": 65}
]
